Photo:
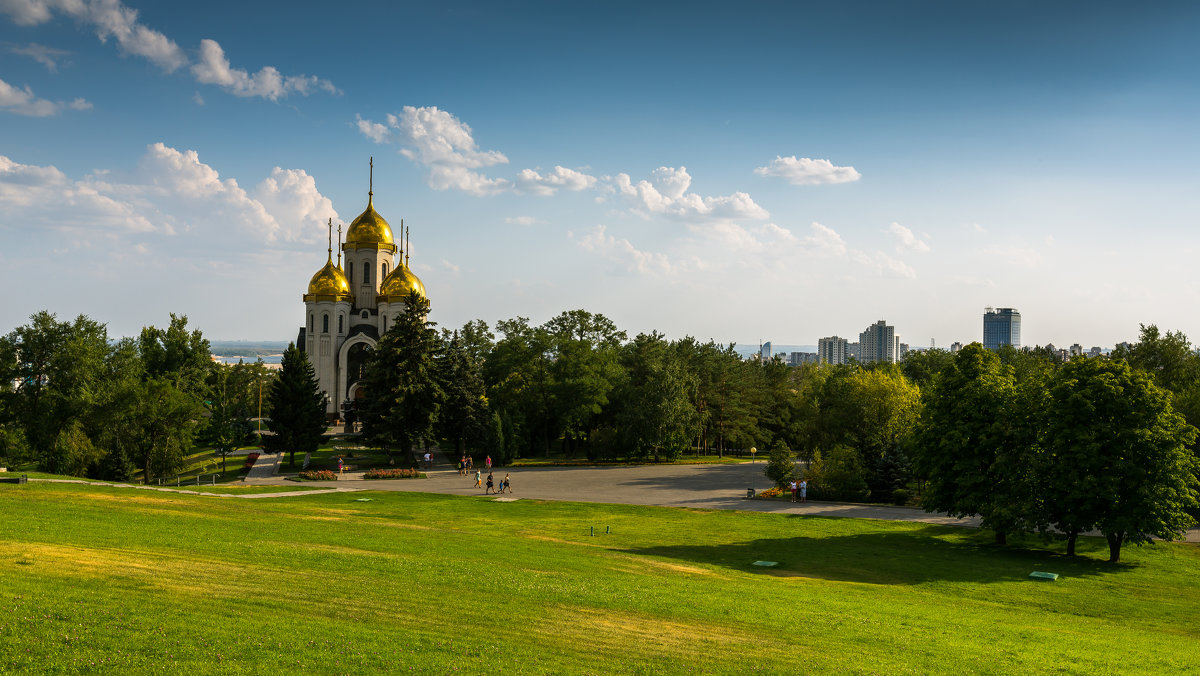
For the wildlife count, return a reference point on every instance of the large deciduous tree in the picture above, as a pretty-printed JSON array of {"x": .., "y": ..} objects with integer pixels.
[
  {"x": 297, "y": 407},
  {"x": 973, "y": 446},
  {"x": 1116, "y": 456}
]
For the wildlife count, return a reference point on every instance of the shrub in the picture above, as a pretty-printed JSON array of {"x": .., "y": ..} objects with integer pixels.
[
  {"x": 780, "y": 467},
  {"x": 900, "y": 497},
  {"x": 393, "y": 474},
  {"x": 838, "y": 475},
  {"x": 319, "y": 475}
]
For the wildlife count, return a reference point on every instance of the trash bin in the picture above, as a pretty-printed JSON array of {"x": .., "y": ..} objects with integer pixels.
[{"x": 749, "y": 493}]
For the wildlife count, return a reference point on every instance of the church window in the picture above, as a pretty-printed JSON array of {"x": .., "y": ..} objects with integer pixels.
[
  {"x": 324, "y": 323},
  {"x": 383, "y": 272},
  {"x": 366, "y": 314},
  {"x": 350, "y": 269},
  {"x": 310, "y": 323},
  {"x": 366, "y": 272},
  {"x": 341, "y": 318},
  {"x": 383, "y": 322}
]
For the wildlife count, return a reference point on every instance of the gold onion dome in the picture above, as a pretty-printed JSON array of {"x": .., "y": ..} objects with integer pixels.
[
  {"x": 329, "y": 284},
  {"x": 398, "y": 284},
  {"x": 370, "y": 230}
]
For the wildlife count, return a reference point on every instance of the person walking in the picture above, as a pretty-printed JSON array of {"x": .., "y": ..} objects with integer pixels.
[
  {"x": 470, "y": 463},
  {"x": 794, "y": 488},
  {"x": 491, "y": 486},
  {"x": 478, "y": 479},
  {"x": 507, "y": 484},
  {"x": 488, "y": 463}
]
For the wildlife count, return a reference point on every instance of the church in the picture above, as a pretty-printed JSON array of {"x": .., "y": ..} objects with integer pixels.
[{"x": 347, "y": 307}]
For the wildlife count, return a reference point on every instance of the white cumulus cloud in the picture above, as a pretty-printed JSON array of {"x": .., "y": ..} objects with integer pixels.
[
  {"x": 530, "y": 181},
  {"x": 905, "y": 239},
  {"x": 268, "y": 83},
  {"x": 171, "y": 192},
  {"x": 624, "y": 253},
  {"x": 665, "y": 193},
  {"x": 807, "y": 171},
  {"x": 443, "y": 144},
  {"x": 112, "y": 20},
  {"x": 292, "y": 198},
  {"x": 825, "y": 240},
  {"x": 22, "y": 101}
]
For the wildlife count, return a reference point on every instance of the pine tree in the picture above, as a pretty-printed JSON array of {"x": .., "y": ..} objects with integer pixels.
[
  {"x": 297, "y": 407},
  {"x": 401, "y": 383}
]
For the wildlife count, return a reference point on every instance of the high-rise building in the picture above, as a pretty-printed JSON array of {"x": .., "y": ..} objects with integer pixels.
[
  {"x": 1001, "y": 326},
  {"x": 955, "y": 346},
  {"x": 833, "y": 350},
  {"x": 764, "y": 352},
  {"x": 878, "y": 342}
]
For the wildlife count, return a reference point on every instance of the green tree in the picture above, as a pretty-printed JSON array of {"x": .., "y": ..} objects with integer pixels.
[
  {"x": 973, "y": 446},
  {"x": 231, "y": 401},
  {"x": 838, "y": 474},
  {"x": 59, "y": 369},
  {"x": 656, "y": 416},
  {"x": 1117, "y": 457},
  {"x": 521, "y": 385},
  {"x": 155, "y": 423},
  {"x": 403, "y": 392},
  {"x": 584, "y": 369},
  {"x": 174, "y": 353},
  {"x": 297, "y": 407},
  {"x": 781, "y": 466},
  {"x": 922, "y": 366},
  {"x": 464, "y": 415}
]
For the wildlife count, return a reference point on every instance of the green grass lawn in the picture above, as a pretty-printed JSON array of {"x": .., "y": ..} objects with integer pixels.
[{"x": 104, "y": 579}]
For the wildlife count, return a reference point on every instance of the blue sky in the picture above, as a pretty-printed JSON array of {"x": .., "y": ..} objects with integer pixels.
[{"x": 783, "y": 171}]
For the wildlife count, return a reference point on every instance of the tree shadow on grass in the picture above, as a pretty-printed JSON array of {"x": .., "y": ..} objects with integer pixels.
[{"x": 924, "y": 554}]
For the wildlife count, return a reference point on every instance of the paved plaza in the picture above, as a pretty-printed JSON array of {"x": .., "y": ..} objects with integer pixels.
[{"x": 713, "y": 486}]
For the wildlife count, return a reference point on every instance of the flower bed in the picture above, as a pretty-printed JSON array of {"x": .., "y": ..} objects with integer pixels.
[
  {"x": 251, "y": 458},
  {"x": 393, "y": 474},
  {"x": 319, "y": 475},
  {"x": 771, "y": 493}
]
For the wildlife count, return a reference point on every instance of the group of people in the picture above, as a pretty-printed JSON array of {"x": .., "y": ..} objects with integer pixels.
[
  {"x": 493, "y": 486},
  {"x": 801, "y": 488},
  {"x": 466, "y": 463}
]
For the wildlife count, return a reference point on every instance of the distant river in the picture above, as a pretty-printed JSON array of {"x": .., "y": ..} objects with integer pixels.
[{"x": 267, "y": 359}]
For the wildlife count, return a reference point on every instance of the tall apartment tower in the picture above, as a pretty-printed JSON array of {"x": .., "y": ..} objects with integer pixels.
[
  {"x": 1001, "y": 326},
  {"x": 878, "y": 343},
  {"x": 833, "y": 350}
]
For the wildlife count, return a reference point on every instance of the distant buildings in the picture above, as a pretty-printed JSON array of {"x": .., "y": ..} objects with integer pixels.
[
  {"x": 955, "y": 346},
  {"x": 833, "y": 350},
  {"x": 1001, "y": 326},
  {"x": 879, "y": 343},
  {"x": 764, "y": 352},
  {"x": 801, "y": 358}
]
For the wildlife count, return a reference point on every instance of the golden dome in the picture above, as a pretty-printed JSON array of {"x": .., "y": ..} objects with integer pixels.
[
  {"x": 396, "y": 285},
  {"x": 370, "y": 231},
  {"x": 329, "y": 284}
]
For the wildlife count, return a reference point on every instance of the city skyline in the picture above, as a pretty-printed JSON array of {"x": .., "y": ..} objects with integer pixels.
[{"x": 795, "y": 170}]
